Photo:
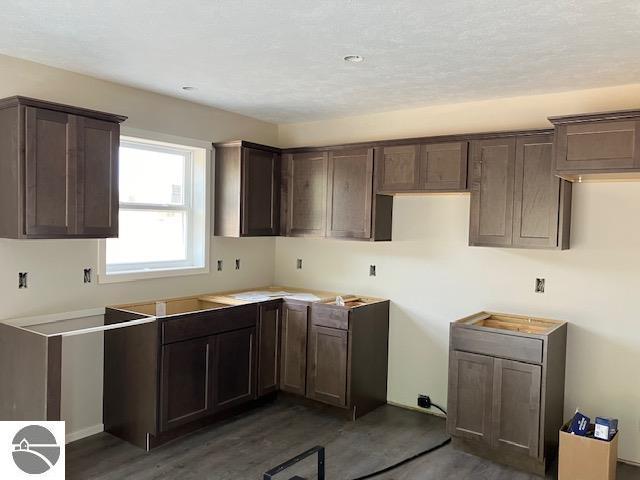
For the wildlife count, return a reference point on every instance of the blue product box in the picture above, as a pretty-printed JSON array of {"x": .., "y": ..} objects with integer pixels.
[
  {"x": 579, "y": 424},
  {"x": 606, "y": 428}
]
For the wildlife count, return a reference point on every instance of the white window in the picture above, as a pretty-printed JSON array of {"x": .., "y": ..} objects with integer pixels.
[{"x": 163, "y": 227}]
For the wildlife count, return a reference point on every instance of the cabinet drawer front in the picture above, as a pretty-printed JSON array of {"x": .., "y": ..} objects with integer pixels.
[
  {"x": 202, "y": 324},
  {"x": 497, "y": 344},
  {"x": 327, "y": 316}
]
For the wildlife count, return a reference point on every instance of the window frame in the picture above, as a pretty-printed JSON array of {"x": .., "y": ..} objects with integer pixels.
[{"x": 196, "y": 204}]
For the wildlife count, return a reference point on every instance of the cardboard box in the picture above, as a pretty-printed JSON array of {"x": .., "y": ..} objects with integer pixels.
[{"x": 587, "y": 458}]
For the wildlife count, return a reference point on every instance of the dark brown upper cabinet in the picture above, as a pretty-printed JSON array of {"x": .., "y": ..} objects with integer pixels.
[
  {"x": 516, "y": 200},
  {"x": 443, "y": 167},
  {"x": 247, "y": 190},
  {"x": 423, "y": 168},
  {"x": 59, "y": 170},
  {"x": 399, "y": 168},
  {"x": 350, "y": 190},
  {"x": 597, "y": 146},
  {"x": 305, "y": 180}
]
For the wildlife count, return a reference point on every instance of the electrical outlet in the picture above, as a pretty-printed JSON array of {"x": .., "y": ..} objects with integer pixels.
[
  {"x": 22, "y": 280},
  {"x": 87, "y": 275},
  {"x": 372, "y": 270},
  {"x": 539, "y": 288},
  {"x": 299, "y": 264},
  {"x": 219, "y": 265},
  {"x": 237, "y": 264}
]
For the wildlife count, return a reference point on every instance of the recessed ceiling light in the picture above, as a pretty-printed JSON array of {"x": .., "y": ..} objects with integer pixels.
[
  {"x": 188, "y": 88},
  {"x": 353, "y": 58}
]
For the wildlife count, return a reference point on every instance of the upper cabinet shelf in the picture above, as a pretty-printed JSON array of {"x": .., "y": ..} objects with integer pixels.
[
  {"x": 247, "y": 193},
  {"x": 58, "y": 170},
  {"x": 597, "y": 146}
]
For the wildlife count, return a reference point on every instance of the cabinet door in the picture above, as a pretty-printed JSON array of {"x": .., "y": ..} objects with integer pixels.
[
  {"x": 516, "y": 406},
  {"x": 443, "y": 166},
  {"x": 260, "y": 192},
  {"x": 470, "y": 393},
  {"x": 307, "y": 189},
  {"x": 492, "y": 182},
  {"x": 234, "y": 368},
  {"x": 327, "y": 365},
  {"x": 50, "y": 173},
  {"x": 269, "y": 348},
  {"x": 293, "y": 368},
  {"x": 350, "y": 188},
  {"x": 536, "y": 194},
  {"x": 599, "y": 146},
  {"x": 399, "y": 168},
  {"x": 97, "y": 179},
  {"x": 185, "y": 382}
]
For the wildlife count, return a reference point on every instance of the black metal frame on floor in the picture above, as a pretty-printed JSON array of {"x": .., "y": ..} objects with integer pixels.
[{"x": 298, "y": 458}]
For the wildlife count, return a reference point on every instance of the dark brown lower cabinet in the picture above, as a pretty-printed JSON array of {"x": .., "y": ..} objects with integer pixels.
[
  {"x": 269, "y": 326},
  {"x": 506, "y": 390},
  {"x": 234, "y": 368},
  {"x": 327, "y": 365},
  {"x": 293, "y": 369},
  {"x": 185, "y": 386}
]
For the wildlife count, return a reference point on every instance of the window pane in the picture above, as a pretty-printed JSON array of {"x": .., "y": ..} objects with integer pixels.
[
  {"x": 148, "y": 236},
  {"x": 150, "y": 176}
]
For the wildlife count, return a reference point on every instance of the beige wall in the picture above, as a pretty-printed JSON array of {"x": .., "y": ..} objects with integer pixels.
[
  {"x": 55, "y": 266},
  {"x": 433, "y": 277}
]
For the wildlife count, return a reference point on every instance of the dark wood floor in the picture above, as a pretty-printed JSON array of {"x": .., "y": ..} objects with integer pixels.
[{"x": 247, "y": 446}]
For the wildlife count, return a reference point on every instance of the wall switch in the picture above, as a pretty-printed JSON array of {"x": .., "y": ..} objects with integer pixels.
[
  {"x": 87, "y": 275},
  {"x": 22, "y": 280},
  {"x": 237, "y": 264},
  {"x": 299, "y": 264},
  {"x": 219, "y": 265},
  {"x": 539, "y": 288},
  {"x": 372, "y": 270}
]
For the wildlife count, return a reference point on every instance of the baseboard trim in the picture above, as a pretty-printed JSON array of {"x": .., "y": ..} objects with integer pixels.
[
  {"x": 85, "y": 432},
  {"x": 416, "y": 409}
]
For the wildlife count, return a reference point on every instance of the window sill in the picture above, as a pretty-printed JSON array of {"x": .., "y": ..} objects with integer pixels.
[{"x": 150, "y": 274}]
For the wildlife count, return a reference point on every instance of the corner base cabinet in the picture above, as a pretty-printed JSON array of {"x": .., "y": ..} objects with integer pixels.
[
  {"x": 58, "y": 170},
  {"x": 506, "y": 387}
]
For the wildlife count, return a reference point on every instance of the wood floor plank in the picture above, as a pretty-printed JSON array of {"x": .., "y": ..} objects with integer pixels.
[{"x": 243, "y": 448}]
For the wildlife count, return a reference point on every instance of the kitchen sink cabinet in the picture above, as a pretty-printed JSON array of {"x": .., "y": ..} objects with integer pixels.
[
  {"x": 506, "y": 388},
  {"x": 234, "y": 367},
  {"x": 247, "y": 191},
  {"x": 185, "y": 385},
  {"x": 59, "y": 174},
  {"x": 516, "y": 200},
  {"x": 269, "y": 328}
]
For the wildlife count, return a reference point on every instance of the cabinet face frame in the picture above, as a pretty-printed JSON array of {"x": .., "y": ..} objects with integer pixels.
[
  {"x": 459, "y": 402},
  {"x": 480, "y": 211},
  {"x": 533, "y": 407},
  {"x": 292, "y": 202},
  {"x": 337, "y": 365},
  {"x": 33, "y": 159},
  {"x": 366, "y": 199},
  {"x": 272, "y": 185},
  {"x": 551, "y": 213},
  {"x": 169, "y": 395}
]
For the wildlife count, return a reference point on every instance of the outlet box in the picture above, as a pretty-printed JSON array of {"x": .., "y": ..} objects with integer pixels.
[
  {"x": 299, "y": 264},
  {"x": 372, "y": 270},
  {"x": 237, "y": 264},
  {"x": 86, "y": 275},
  {"x": 219, "y": 265},
  {"x": 539, "y": 287}
]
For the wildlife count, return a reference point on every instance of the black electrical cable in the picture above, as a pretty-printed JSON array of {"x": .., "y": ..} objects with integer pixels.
[{"x": 410, "y": 459}]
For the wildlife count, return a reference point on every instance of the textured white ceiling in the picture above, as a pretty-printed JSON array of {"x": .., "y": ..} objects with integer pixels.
[{"x": 281, "y": 60}]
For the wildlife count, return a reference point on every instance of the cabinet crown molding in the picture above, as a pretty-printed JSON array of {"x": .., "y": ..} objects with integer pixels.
[{"x": 18, "y": 100}]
